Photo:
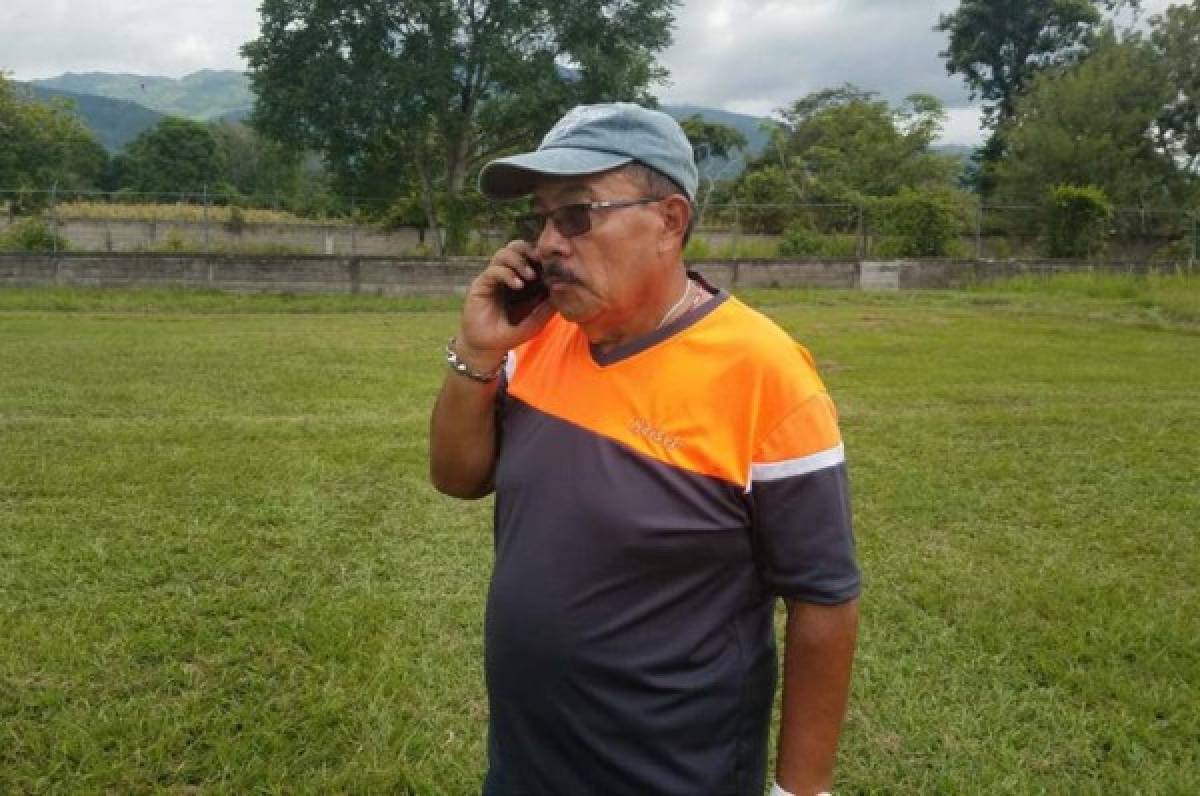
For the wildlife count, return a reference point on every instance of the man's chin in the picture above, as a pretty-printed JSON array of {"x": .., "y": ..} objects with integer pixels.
[{"x": 566, "y": 301}]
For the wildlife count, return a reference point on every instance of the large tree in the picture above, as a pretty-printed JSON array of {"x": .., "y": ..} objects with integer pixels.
[
  {"x": 44, "y": 144},
  {"x": 1175, "y": 40},
  {"x": 394, "y": 92},
  {"x": 1092, "y": 125},
  {"x": 845, "y": 143},
  {"x": 175, "y": 156},
  {"x": 999, "y": 46}
]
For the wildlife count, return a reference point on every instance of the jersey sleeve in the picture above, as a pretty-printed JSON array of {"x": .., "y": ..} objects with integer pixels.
[{"x": 800, "y": 501}]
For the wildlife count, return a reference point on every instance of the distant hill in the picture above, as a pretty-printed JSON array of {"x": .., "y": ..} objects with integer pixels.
[
  {"x": 205, "y": 95},
  {"x": 114, "y": 122},
  {"x": 212, "y": 95}
]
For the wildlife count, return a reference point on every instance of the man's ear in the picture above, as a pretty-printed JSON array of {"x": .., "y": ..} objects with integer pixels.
[{"x": 677, "y": 214}]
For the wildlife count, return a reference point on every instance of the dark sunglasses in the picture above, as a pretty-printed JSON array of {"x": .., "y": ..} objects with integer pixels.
[{"x": 571, "y": 220}]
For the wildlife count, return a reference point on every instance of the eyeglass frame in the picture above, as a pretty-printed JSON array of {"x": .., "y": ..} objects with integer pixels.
[{"x": 528, "y": 220}]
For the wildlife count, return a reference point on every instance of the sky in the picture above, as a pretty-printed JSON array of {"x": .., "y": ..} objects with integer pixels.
[{"x": 749, "y": 56}]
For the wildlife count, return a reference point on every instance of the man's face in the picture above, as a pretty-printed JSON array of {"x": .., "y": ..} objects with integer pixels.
[{"x": 600, "y": 276}]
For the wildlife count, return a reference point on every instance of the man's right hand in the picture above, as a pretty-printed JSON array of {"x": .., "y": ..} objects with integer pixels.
[{"x": 485, "y": 335}]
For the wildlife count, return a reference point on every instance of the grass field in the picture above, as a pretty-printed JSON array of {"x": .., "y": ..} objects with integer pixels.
[{"x": 222, "y": 569}]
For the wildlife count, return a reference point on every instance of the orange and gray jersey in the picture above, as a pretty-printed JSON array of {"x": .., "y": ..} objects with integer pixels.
[{"x": 651, "y": 503}]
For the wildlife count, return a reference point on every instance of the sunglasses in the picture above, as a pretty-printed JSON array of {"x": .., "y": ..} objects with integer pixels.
[{"x": 571, "y": 220}]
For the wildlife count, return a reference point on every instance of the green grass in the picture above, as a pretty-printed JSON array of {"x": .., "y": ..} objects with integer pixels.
[{"x": 222, "y": 569}]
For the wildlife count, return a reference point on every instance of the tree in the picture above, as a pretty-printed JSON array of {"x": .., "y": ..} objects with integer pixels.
[
  {"x": 44, "y": 144},
  {"x": 424, "y": 91},
  {"x": 1175, "y": 39},
  {"x": 711, "y": 141},
  {"x": 264, "y": 171},
  {"x": 842, "y": 144},
  {"x": 1092, "y": 125},
  {"x": 999, "y": 46},
  {"x": 175, "y": 156}
]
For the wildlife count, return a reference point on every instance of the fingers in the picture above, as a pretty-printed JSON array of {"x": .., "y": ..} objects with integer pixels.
[{"x": 517, "y": 257}]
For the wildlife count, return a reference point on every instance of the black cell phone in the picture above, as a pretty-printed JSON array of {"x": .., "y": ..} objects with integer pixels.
[{"x": 519, "y": 303}]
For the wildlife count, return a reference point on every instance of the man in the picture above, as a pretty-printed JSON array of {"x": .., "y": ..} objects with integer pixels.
[{"x": 666, "y": 462}]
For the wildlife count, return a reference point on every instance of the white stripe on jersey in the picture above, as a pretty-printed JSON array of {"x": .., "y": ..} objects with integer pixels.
[{"x": 776, "y": 471}]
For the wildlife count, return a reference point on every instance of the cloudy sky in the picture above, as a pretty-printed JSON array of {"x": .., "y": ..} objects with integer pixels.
[{"x": 751, "y": 56}]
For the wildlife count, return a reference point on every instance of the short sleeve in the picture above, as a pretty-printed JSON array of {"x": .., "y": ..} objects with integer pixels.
[{"x": 800, "y": 498}]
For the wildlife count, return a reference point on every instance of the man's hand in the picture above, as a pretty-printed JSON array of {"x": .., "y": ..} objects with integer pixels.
[
  {"x": 462, "y": 434},
  {"x": 485, "y": 334}
]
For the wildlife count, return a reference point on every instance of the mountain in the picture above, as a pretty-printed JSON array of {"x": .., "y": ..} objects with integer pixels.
[
  {"x": 114, "y": 122},
  {"x": 212, "y": 95},
  {"x": 205, "y": 95}
]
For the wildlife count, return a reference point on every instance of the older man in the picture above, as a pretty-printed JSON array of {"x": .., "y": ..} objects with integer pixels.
[{"x": 666, "y": 464}]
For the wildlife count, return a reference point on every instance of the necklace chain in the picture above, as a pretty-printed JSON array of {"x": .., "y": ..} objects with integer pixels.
[{"x": 687, "y": 291}]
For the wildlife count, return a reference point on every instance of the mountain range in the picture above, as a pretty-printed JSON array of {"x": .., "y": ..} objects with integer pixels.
[{"x": 117, "y": 107}]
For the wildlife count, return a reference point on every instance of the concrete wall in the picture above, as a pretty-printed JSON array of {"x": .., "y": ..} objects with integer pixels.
[
  {"x": 99, "y": 235},
  {"x": 241, "y": 274},
  {"x": 396, "y": 276}
]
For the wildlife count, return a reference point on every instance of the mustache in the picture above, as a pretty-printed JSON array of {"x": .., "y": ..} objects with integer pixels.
[{"x": 552, "y": 270}]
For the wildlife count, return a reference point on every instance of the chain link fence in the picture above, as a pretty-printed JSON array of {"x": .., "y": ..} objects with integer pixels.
[{"x": 209, "y": 223}]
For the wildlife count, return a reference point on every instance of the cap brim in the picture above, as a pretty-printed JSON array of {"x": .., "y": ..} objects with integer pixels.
[{"x": 508, "y": 178}]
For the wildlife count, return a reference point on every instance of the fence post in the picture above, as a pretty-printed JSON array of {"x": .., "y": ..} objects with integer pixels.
[
  {"x": 860, "y": 240},
  {"x": 54, "y": 218},
  {"x": 353, "y": 223},
  {"x": 737, "y": 230},
  {"x": 207, "y": 260},
  {"x": 1195, "y": 254},
  {"x": 979, "y": 230}
]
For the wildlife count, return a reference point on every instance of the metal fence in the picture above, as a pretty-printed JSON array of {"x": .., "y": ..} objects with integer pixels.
[{"x": 211, "y": 223}]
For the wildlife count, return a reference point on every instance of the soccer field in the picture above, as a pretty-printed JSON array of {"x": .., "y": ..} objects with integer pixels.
[{"x": 222, "y": 569}]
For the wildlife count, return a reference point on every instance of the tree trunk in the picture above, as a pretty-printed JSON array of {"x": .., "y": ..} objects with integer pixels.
[
  {"x": 427, "y": 203},
  {"x": 457, "y": 224}
]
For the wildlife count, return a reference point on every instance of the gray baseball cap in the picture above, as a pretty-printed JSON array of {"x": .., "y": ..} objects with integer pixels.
[{"x": 595, "y": 138}]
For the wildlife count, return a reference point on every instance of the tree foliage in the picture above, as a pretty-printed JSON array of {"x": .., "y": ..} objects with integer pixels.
[
  {"x": 424, "y": 91},
  {"x": 712, "y": 140},
  {"x": 1076, "y": 220},
  {"x": 839, "y": 145},
  {"x": 176, "y": 155},
  {"x": 999, "y": 46},
  {"x": 765, "y": 197},
  {"x": 1091, "y": 125},
  {"x": 919, "y": 223},
  {"x": 1175, "y": 40},
  {"x": 43, "y": 144}
]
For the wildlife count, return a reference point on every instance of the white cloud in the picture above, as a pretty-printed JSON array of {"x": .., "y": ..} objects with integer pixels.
[
  {"x": 44, "y": 38},
  {"x": 749, "y": 56}
]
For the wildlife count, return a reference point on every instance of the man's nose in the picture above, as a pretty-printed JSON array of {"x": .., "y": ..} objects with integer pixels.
[{"x": 551, "y": 242}]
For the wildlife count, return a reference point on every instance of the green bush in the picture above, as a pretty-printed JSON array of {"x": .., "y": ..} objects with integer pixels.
[
  {"x": 697, "y": 249},
  {"x": 1076, "y": 221},
  {"x": 765, "y": 201},
  {"x": 917, "y": 223},
  {"x": 32, "y": 235},
  {"x": 800, "y": 240}
]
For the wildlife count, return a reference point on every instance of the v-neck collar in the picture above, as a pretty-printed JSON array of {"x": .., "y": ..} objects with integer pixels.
[{"x": 689, "y": 318}]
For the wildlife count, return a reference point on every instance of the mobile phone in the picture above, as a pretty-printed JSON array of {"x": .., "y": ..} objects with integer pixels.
[{"x": 519, "y": 303}]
